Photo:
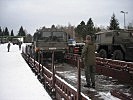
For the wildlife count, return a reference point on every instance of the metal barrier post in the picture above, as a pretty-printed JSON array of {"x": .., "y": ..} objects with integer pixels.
[
  {"x": 53, "y": 70},
  {"x": 79, "y": 80},
  {"x": 39, "y": 59},
  {"x": 28, "y": 58},
  {"x": 53, "y": 76},
  {"x": 34, "y": 60}
]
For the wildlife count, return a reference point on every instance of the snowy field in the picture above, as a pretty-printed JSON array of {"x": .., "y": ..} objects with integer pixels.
[{"x": 17, "y": 82}]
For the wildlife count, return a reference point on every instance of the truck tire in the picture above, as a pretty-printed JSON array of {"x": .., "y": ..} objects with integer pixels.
[
  {"x": 103, "y": 53},
  {"x": 118, "y": 55}
]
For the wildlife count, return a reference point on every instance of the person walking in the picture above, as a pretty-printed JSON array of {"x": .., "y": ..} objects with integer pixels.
[
  {"x": 19, "y": 44},
  {"x": 8, "y": 46},
  {"x": 89, "y": 59}
]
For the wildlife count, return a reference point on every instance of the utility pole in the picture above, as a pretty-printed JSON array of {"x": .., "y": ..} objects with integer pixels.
[{"x": 124, "y": 18}]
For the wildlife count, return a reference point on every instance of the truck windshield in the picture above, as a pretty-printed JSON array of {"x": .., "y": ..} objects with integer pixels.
[
  {"x": 124, "y": 34},
  {"x": 60, "y": 36},
  {"x": 53, "y": 37}
]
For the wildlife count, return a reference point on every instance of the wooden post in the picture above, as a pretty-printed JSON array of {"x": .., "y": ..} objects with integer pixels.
[
  {"x": 79, "y": 80},
  {"x": 53, "y": 70}
]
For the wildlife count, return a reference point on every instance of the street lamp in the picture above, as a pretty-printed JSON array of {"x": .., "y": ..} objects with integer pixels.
[{"x": 124, "y": 18}]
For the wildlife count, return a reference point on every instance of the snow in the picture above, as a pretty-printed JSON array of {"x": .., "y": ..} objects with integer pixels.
[
  {"x": 72, "y": 87},
  {"x": 103, "y": 86},
  {"x": 107, "y": 96},
  {"x": 17, "y": 81}
]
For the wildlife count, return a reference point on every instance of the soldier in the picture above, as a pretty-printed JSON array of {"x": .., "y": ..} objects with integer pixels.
[
  {"x": 19, "y": 44},
  {"x": 89, "y": 59},
  {"x": 8, "y": 46}
]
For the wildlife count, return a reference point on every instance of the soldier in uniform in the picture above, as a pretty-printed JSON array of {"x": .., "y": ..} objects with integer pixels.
[
  {"x": 19, "y": 44},
  {"x": 8, "y": 46},
  {"x": 89, "y": 59}
]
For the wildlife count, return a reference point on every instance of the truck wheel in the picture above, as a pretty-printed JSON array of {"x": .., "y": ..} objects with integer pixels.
[
  {"x": 118, "y": 55},
  {"x": 103, "y": 53}
]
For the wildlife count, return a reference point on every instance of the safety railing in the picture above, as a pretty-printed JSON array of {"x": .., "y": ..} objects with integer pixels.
[
  {"x": 121, "y": 70},
  {"x": 59, "y": 87}
]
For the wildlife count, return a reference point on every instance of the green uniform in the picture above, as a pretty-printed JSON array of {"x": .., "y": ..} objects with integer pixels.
[{"x": 88, "y": 54}]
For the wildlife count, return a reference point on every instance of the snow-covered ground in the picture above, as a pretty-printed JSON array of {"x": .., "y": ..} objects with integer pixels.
[{"x": 17, "y": 82}]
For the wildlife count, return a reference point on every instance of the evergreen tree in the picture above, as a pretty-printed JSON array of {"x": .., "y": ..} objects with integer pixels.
[
  {"x": 53, "y": 27},
  {"x": 91, "y": 30},
  {"x": 0, "y": 31},
  {"x": 12, "y": 34},
  {"x": 81, "y": 29},
  {"x": 96, "y": 29},
  {"x": 6, "y": 32},
  {"x": 114, "y": 24},
  {"x": 21, "y": 32},
  {"x": 90, "y": 27}
]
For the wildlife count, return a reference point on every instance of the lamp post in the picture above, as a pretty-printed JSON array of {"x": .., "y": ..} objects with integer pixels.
[{"x": 124, "y": 18}]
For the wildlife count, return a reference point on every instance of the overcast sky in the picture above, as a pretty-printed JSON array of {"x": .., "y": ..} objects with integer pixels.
[{"x": 33, "y": 14}]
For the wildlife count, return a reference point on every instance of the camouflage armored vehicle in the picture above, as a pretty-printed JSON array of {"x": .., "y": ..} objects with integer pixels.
[
  {"x": 47, "y": 41},
  {"x": 115, "y": 44}
]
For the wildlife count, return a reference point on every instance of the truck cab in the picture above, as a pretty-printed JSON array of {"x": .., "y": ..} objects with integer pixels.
[{"x": 48, "y": 41}]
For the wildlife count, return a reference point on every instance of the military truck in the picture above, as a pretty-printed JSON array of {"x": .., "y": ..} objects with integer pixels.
[
  {"x": 115, "y": 44},
  {"x": 47, "y": 41},
  {"x": 15, "y": 41}
]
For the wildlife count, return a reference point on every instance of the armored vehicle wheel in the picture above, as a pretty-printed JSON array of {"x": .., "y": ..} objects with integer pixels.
[
  {"x": 103, "y": 53},
  {"x": 118, "y": 55}
]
